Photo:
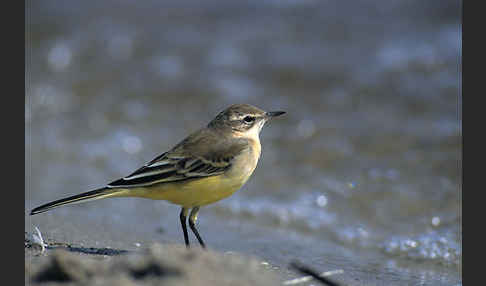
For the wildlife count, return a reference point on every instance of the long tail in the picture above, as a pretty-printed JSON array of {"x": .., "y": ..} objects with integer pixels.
[{"x": 84, "y": 197}]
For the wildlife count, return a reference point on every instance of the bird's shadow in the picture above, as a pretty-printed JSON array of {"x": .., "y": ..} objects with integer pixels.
[
  {"x": 80, "y": 249},
  {"x": 92, "y": 250}
]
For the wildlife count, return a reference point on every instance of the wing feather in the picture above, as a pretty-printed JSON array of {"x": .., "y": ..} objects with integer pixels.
[{"x": 187, "y": 160}]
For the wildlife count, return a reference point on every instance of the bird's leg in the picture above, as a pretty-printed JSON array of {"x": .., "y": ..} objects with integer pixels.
[
  {"x": 183, "y": 217},
  {"x": 192, "y": 225}
]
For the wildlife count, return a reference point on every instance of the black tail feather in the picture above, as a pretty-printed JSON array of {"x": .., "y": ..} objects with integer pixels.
[{"x": 73, "y": 199}]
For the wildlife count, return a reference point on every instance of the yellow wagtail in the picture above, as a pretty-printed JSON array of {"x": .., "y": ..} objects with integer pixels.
[{"x": 207, "y": 166}]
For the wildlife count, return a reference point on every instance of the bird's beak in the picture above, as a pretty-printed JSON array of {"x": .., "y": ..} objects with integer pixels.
[{"x": 271, "y": 114}]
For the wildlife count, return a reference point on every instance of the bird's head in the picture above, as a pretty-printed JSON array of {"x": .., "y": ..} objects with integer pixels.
[{"x": 243, "y": 119}]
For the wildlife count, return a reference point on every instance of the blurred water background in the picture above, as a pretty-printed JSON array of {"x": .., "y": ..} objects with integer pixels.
[{"x": 366, "y": 164}]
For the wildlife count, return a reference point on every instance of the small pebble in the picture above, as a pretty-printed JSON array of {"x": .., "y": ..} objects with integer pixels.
[
  {"x": 435, "y": 221},
  {"x": 321, "y": 201}
]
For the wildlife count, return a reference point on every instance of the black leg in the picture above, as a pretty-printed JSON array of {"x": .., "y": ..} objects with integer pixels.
[
  {"x": 192, "y": 225},
  {"x": 183, "y": 217}
]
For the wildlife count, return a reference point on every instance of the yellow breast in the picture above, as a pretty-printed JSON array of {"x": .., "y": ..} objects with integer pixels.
[{"x": 206, "y": 190}]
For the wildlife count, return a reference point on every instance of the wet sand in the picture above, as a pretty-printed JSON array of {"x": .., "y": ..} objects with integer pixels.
[
  {"x": 90, "y": 238},
  {"x": 86, "y": 243}
]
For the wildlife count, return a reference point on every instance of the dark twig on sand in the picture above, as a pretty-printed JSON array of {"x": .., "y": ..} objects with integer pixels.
[{"x": 312, "y": 273}]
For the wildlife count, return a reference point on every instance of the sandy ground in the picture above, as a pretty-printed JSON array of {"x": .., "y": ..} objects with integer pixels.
[
  {"x": 159, "y": 264},
  {"x": 84, "y": 252},
  {"x": 85, "y": 249}
]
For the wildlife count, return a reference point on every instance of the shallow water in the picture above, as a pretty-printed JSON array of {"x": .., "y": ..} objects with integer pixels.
[{"x": 366, "y": 165}]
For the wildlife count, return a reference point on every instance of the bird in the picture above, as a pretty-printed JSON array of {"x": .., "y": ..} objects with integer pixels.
[{"x": 209, "y": 165}]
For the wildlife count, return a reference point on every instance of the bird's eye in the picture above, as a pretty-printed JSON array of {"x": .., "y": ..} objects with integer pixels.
[{"x": 249, "y": 119}]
